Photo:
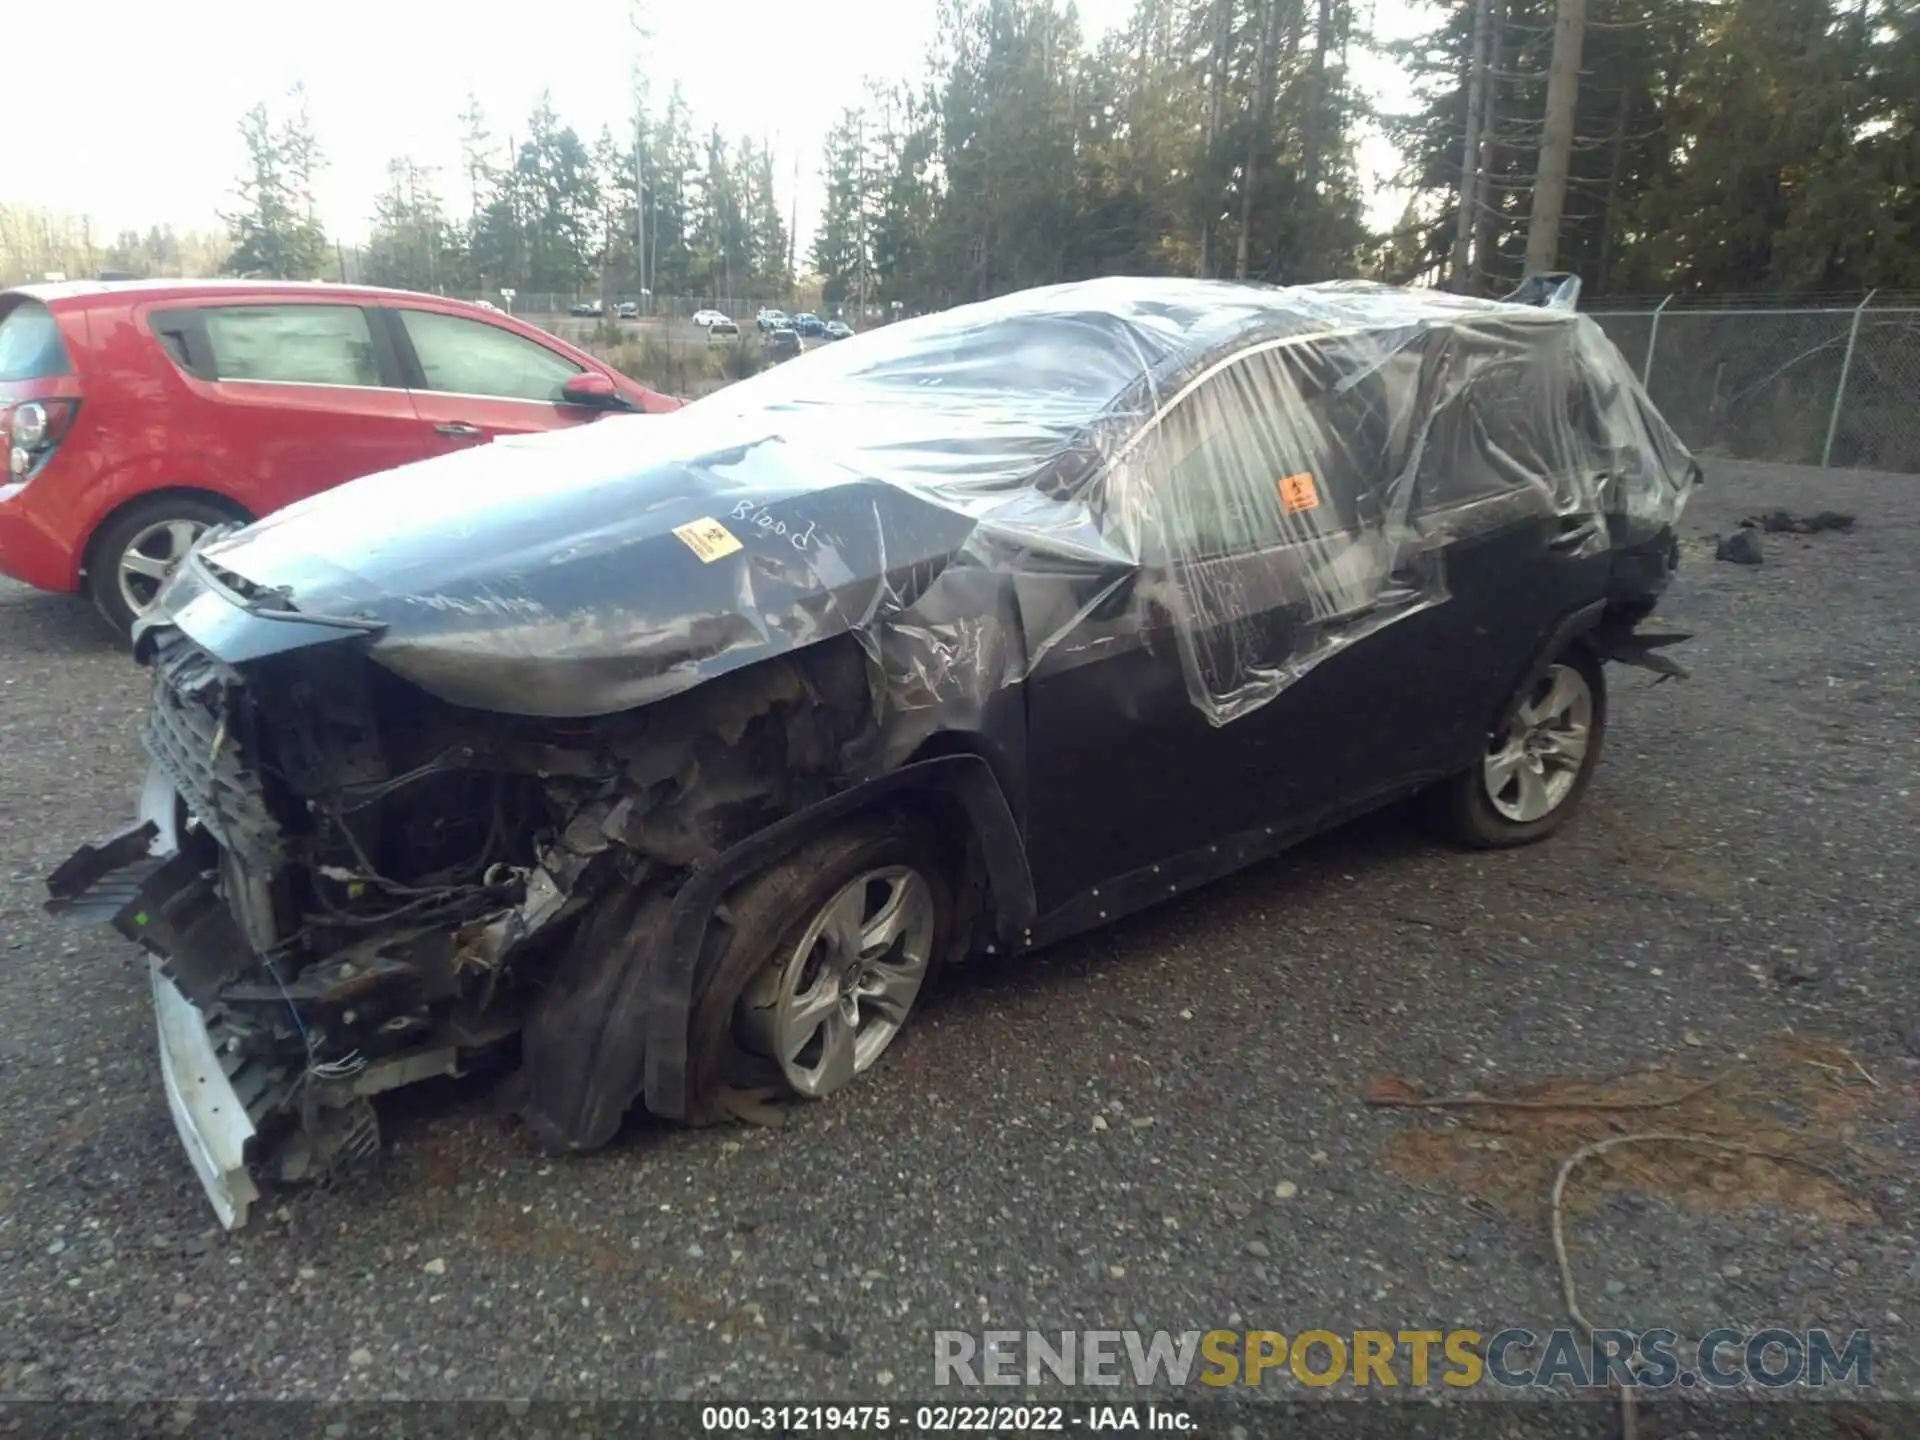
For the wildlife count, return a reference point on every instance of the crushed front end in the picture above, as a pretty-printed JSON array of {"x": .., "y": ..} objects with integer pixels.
[
  {"x": 330, "y": 898},
  {"x": 346, "y": 885}
]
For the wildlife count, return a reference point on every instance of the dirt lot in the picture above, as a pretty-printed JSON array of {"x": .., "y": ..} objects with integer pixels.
[{"x": 1162, "y": 1126}]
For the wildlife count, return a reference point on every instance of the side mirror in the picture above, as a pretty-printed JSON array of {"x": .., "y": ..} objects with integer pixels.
[{"x": 594, "y": 391}]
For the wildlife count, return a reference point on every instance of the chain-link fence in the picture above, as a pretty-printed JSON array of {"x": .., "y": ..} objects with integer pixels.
[
  {"x": 1835, "y": 383},
  {"x": 673, "y": 307},
  {"x": 680, "y": 307},
  {"x": 1827, "y": 382},
  {"x": 560, "y": 302}
]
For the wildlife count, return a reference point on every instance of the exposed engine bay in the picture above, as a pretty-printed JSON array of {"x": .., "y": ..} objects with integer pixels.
[{"x": 359, "y": 886}]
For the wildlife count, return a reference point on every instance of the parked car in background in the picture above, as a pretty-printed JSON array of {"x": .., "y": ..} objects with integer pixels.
[
  {"x": 722, "y": 329},
  {"x": 693, "y": 761},
  {"x": 783, "y": 343},
  {"x": 587, "y": 309},
  {"x": 770, "y": 320},
  {"x": 704, "y": 318},
  {"x": 809, "y": 325},
  {"x": 139, "y": 414},
  {"x": 489, "y": 305},
  {"x": 628, "y": 310},
  {"x": 838, "y": 330}
]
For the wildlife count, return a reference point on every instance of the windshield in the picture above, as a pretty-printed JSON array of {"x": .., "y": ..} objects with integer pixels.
[{"x": 1069, "y": 367}]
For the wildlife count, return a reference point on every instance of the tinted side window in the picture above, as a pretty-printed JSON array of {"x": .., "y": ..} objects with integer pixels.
[
  {"x": 293, "y": 344},
  {"x": 1506, "y": 426},
  {"x": 30, "y": 343},
  {"x": 469, "y": 357},
  {"x": 183, "y": 335}
]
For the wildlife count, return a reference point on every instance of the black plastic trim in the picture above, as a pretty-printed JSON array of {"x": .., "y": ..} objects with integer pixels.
[{"x": 1569, "y": 628}]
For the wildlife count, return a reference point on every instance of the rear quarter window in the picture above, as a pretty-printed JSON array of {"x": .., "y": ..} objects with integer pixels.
[{"x": 31, "y": 347}]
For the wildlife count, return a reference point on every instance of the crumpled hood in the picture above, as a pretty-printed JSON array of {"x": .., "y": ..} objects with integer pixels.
[{"x": 584, "y": 571}]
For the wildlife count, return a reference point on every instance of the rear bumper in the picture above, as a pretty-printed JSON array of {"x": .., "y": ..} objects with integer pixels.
[
  {"x": 29, "y": 552},
  {"x": 207, "y": 1111},
  {"x": 1644, "y": 558}
]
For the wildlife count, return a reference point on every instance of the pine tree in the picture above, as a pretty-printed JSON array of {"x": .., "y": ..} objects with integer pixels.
[
  {"x": 410, "y": 238},
  {"x": 276, "y": 233},
  {"x": 841, "y": 243}
]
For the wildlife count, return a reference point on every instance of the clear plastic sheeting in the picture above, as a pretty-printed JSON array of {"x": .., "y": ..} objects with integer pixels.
[
  {"x": 1257, "y": 477},
  {"x": 1276, "y": 472}
]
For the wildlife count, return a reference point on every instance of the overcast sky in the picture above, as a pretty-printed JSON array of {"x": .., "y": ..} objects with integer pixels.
[{"x": 139, "y": 126}]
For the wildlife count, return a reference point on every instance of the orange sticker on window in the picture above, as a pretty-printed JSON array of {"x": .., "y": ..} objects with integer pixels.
[{"x": 1297, "y": 493}]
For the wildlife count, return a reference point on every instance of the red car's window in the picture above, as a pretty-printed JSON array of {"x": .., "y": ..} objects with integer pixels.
[
  {"x": 30, "y": 343},
  {"x": 469, "y": 357},
  {"x": 293, "y": 344}
]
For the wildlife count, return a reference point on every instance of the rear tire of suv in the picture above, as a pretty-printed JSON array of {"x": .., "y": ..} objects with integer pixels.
[
  {"x": 1534, "y": 773},
  {"x": 136, "y": 548}
]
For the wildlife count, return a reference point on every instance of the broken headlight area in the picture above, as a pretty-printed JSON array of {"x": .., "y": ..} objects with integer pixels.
[{"x": 352, "y": 886}]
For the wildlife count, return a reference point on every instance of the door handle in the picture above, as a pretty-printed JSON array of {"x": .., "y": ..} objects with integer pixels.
[
  {"x": 457, "y": 428},
  {"x": 1575, "y": 531}
]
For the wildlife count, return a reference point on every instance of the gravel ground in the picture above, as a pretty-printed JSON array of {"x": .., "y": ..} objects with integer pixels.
[{"x": 1158, "y": 1126}]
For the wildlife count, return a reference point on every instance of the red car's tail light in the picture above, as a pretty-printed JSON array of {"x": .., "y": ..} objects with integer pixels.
[{"x": 34, "y": 429}]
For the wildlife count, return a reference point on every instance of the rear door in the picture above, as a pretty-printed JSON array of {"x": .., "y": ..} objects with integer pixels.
[
  {"x": 472, "y": 380},
  {"x": 306, "y": 395},
  {"x": 1204, "y": 704},
  {"x": 1508, "y": 480}
]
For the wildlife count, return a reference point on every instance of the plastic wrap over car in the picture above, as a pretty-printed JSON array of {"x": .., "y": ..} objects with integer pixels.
[{"x": 962, "y": 491}]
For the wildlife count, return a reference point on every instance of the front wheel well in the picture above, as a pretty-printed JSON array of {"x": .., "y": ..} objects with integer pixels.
[
  {"x": 146, "y": 498},
  {"x": 963, "y": 857}
]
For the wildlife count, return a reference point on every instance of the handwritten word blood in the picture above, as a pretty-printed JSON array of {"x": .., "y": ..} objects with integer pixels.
[{"x": 758, "y": 516}]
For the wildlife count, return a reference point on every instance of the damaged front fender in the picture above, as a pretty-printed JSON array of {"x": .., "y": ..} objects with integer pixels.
[{"x": 617, "y": 1023}]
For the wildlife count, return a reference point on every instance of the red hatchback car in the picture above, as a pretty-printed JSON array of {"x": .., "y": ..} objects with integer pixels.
[{"x": 134, "y": 415}]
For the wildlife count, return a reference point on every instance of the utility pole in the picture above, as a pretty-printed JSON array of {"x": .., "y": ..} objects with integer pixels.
[
  {"x": 1470, "y": 149},
  {"x": 1556, "y": 136},
  {"x": 636, "y": 17},
  {"x": 640, "y": 197},
  {"x": 1485, "y": 225},
  {"x": 793, "y": 230},
  {"x": 1266, "y": 16},
  {"x": 1216, "y": 94},
  {"x": 860, "y": 209}
]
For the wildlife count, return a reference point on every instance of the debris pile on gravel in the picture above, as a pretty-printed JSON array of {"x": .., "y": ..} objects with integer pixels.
[
  {"x": 1743, "y": 546},
  {"x": 1785, "y": 522}
]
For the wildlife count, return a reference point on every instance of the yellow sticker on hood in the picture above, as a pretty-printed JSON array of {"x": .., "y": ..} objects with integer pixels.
[{"x": 708, "y": 539}]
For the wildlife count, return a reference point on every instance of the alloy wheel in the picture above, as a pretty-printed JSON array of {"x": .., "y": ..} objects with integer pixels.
[
  {"x": 828, "y": 1009},
  {"x": 1531, "y": 770},
  {"x": 151, "y": 556}
]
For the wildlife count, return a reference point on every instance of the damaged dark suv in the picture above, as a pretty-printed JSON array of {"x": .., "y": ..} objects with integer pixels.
[{"x": 673, "y": 755}]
